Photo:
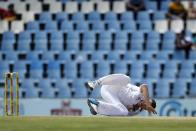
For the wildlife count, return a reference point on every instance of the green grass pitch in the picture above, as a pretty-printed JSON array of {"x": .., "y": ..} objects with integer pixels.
[{"x": 98, "y": 123}]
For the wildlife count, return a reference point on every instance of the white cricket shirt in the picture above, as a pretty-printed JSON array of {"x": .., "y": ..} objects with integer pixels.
[{"x": 130, "y": 95}]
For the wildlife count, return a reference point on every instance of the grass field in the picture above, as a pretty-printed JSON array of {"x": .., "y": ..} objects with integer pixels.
[{"x": 97, "y": 124}]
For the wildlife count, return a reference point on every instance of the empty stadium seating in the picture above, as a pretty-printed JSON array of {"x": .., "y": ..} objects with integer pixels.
[{"x": 71, "y": 42}]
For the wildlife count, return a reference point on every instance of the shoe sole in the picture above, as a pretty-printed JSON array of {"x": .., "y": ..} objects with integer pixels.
[{"x": 91, "y": 108}]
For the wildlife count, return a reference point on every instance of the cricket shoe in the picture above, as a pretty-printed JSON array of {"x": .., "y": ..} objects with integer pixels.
[
  {"x": 92, "y": 84},
  {"x": 93, "y": 103}
]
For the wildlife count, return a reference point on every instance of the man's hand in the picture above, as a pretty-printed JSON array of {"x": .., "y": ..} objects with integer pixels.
[
  {"x": 147, "y": 106},
  {"x": 151, "y": 109}
]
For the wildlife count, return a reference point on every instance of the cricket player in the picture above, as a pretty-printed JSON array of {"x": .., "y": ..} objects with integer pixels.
[{"x": 120, "y": 97}]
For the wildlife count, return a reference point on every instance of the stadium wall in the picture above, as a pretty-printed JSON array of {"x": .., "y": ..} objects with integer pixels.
[{"x": 48, "y": 107}]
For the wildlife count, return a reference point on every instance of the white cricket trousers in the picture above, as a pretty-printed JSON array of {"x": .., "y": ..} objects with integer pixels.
[{"x": 110, "y": 86}]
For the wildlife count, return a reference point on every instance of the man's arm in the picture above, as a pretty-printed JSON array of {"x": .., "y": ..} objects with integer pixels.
[{"x": 144, "y": 91}]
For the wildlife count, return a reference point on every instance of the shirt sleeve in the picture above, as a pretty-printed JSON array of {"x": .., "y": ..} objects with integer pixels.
[
  {"x": 135, "y": 93},
  {"x": 133, "y": 87}
]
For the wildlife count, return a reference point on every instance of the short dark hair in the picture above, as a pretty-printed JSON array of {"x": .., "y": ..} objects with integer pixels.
[{"x": 153, "y": 103}]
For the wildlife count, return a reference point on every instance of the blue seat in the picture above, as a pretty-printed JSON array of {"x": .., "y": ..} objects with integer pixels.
[
  {"x": 70, "y": 70},
  {"x": 40, "y": 41},
  {"x": 121, "y": 67},
  {"x": 78, "y": 17},
  {"x": 86, "y": 70},
  {"x": 179, "y": 55},
  {"x": 110, "y": 16},
  {"x": 137, "y": 40},
  {"x": 54, "y": 69},
  {"x": 21, "y": 68},
  {"x": 163, "y": 55},
  {"x": 36, "y": 69},
  {"x": 137, "y": 75},
  {"x": 82, "y": 26},
  {"x": 94, "y": 16},
  {"x": 159, "y": 15},
  {"x": 143, "y": 16},
  {"x": 61, "y": 16},
  {"x": 153, "y": 40},
  {"x": 137, "y": 65},
  {"x": 64, "y": 1},
  {"x": 163, "y": 88},
  {"x": 192, "y": 55},
  {"x": 179, "y": 89},
  {"x": 48, "y": 56},
  {"x": 45, "y": 16},
  {"x": 34, "y": 55},
  {"x": 151, "y": 5},
  {"x": 154, "y": 64},
  {"x": 153, "y": 36},
  {"x": 82, "y": 56},
  {"x": 8, "y": 41},
  {"x": 113, "y": 56},
  {"x": 113, "y": 26},
  {"x": 1, "y": 93},
  {"x": 171, "y": 65},
  {"x": 1, "y": 56},
  {"x": 165, "y": 5},
  {"x": 29, "y": 86},
  {"x": 104, "y": 45},
  {"x": 168, "y": 45},
  {"x": 170, "y": 70},
  {"x": 72, "y": 41},
  {"x": 126, "y": 16},
  {"x": 145, "y": 26},
  {"x": 65, "y": 55},
  {"x": 98, "y": 55},
  {"x": 66, "y": 26},
  {"x": 105, "y": 39},
  {"x": 136, "y": 45},
  {"x": 80, "y": 88},
  {"x": 187, "y": 65},
  {"x": 147, "y": 55},
  {"x": 7, "y": 46},
  {"x": 11, "y": 56},
  {"x": 120, "y": 41},
  {"x": 169, "y": 74},
  {"x": 50, "y": 26},
  {"x": 131, "y": 55},
  {"x": 98, "y": 26},
  {"x": 24, "y": 41},
  {"x": 46, "y": 88},
  {"x": 169, "y": 37},
  {"x": 186, "y": 69},
  {"x": 138, "y": 35},
  {"x": 88, "y": 41},
  {"x": 4, "y": 68},
  {"x": 103, "y": 68},
  {"x": 64, "y": 90},
  {"x": 56, "y": 41},
  {"x": 33, "y": 26},
  {"x": 186, "y": 73},
  {"x": 129, "y": 26},
  {"x": 152, "y": 45},
  {"x": 153, "y": 73},
  {"x": 192, "y": 92}
]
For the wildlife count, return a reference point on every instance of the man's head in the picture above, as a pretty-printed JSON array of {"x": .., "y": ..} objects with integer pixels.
[{"x": 141, "y": 105}]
